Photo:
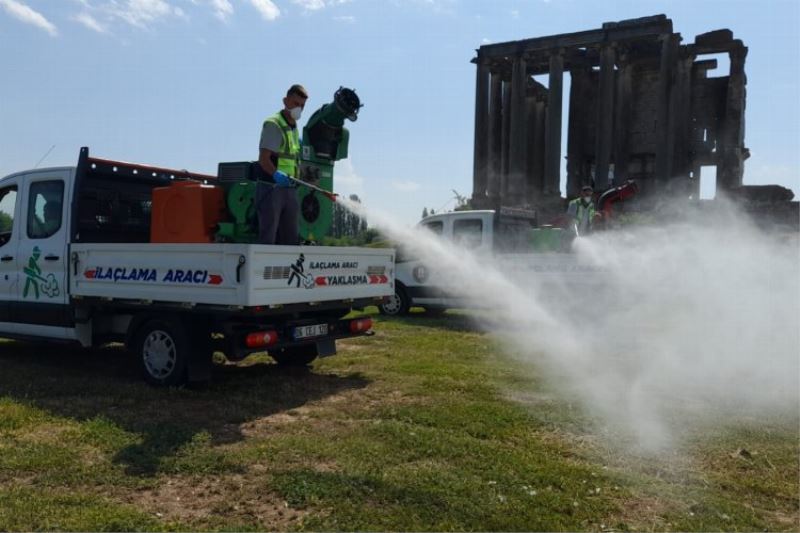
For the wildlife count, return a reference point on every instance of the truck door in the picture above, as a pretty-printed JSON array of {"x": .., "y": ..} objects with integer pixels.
[
  {"x": 42, "y": 257},
  {"x": 9, "y": 240}
]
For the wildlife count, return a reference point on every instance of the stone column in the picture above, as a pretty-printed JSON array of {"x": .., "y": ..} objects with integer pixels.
[
  {"x": 539, "y": 140},
  {"x": 663, "y": 162},
  {"x": 552, "y": 161},
  {"x": 733, "y": 152},
  {"x": 579, "y": 96},
  {"x": 480, "y": 165},
  {"x": 681, "y": 124},
  {"x": 605, "y": 117},
  {"x": 535, "y": 156},
  {"x": 517, "y": 139},
  {"x": 504, "y": 140},
  {"x": 622, "y": 120},
  {"x": 495, "y": 130}
]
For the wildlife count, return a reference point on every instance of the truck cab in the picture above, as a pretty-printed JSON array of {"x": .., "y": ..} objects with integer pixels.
[
  {"x": 33, "y": 253},
  {"x": 481, "y": 232}
]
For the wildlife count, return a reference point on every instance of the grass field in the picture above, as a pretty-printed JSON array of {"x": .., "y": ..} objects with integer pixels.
[{"x": 417, "y": 428}]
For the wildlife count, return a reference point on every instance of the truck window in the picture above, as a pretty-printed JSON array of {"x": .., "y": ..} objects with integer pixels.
[
  {"x": 45, "y": 206},
  {"x": 468, "y": 232},
  {"x": 436, "y": 226},
  {"x": 8, "y": 200}
]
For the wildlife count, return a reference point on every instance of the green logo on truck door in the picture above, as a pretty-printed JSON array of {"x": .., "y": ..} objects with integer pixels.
[{"x": 35, "y": 281}]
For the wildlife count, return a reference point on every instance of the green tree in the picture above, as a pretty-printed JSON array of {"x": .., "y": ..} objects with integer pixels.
[{"x": 6, "y": 222}]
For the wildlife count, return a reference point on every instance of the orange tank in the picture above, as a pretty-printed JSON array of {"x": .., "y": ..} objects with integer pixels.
[{"x": 186, "y": 211}]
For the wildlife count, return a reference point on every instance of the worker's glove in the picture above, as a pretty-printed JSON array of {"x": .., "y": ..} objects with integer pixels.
[{"x": 281, "y": 179}]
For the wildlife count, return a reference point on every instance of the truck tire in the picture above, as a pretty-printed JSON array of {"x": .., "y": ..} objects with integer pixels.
[
  {"x": 295, "y": 356},
  {"x": 398, "y": 304},
  {"x": 163, "y": 349}
]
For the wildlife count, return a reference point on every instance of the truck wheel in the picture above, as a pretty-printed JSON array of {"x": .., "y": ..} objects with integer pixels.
[
  {"x": 163, "y": 351},
  {"x": 397, "y": 305},
  {"x": 295, "y": 355}
]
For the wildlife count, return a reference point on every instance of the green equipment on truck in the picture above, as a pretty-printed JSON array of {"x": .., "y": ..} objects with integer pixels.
[{"x": 325, "y": 141}]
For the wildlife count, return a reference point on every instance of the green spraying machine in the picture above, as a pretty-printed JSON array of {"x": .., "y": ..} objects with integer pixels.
[{"x": 325, "y": 141}]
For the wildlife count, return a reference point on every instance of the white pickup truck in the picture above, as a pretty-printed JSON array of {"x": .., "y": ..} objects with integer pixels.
[
  {"x": 509, "y": 239},
  {"x": 76, "y": 265}
]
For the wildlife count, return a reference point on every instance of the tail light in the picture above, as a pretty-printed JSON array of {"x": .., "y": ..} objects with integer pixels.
[
  {"x": 261, "y": 339},
  {"x": 360, "y": 325}
]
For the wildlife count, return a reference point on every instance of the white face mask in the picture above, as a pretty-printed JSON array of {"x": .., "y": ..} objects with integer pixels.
[
  {"x": 296, "y": 112},
  {"x": 587, "y": 199}
]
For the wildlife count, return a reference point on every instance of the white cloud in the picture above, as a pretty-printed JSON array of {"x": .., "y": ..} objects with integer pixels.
[
  {"x": 486, "y": 41},
  {"x": 98, "y": 16},
  {"x": 316, "y": 5},
  {"x": 438, "y": 6},
  {"x": 90, "y": 22},
  {"x": 406, "y": 186},
  {"x": 25, "y": 14},
  {"x": 350, "y": 19},
  {"x": 268, "y": 10},
  {"x": 223, "y": 9},
  {"x": 140, "y": 13},
  {"x": 310, "y": 5}
]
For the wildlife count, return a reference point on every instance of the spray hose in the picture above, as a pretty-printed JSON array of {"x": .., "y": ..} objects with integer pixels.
[{"x": 328, "y": 194}]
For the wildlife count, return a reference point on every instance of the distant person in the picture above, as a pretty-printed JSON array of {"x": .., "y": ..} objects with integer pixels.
[
  {"x": 581, "y": 212},
  {"x": 278, "y": 162}
]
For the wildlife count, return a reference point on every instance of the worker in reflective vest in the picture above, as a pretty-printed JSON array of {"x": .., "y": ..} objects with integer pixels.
[
  {"x": 582, "y": 212},
  {"x": 278, "y": 162}
]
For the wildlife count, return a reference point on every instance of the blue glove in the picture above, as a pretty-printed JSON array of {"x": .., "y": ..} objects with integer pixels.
[{"x": 281, "y": 179}]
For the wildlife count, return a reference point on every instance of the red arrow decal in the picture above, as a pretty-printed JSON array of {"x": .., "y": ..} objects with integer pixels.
[
  {"x": 214, "y": 279},
  {"x": 378, "y": 280},
  {"x": 89, "y": 274},
  {"x": 321, "y": 280}
]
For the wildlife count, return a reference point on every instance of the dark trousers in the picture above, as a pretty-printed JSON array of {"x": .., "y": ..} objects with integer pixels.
[{"x": 278, "y": 212}]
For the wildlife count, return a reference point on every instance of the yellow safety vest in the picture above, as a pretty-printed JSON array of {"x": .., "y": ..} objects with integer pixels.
[
  {"x": 580, "y": 208},
  {"x": 289, "y": 152}
]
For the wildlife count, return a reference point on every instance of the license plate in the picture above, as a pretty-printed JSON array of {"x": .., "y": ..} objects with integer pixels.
[{"x": 306, "y": 332}]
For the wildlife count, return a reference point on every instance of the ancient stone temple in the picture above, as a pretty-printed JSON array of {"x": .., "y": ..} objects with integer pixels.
[{"x": 641, "y": 106}]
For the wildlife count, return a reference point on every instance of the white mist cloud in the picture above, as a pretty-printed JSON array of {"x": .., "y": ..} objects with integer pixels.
[
  {"x": 406, "y": 186},
  {"x": 349, "y": 19},
  {"x": 657, "y": 331},
  {"x": 269, "y": 11},
  {"x": 28, "y": 15}
]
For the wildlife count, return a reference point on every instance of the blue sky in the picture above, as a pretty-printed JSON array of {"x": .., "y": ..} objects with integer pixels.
[{"x": 187, "y": 83}]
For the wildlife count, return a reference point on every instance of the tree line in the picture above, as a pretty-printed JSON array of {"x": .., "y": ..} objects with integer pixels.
[{"x": 349, "y": 229}]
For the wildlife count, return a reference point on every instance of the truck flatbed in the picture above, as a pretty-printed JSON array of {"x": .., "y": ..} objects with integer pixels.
[{"x": 238, "y": 275}]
